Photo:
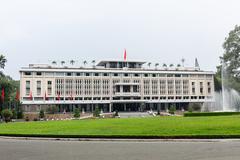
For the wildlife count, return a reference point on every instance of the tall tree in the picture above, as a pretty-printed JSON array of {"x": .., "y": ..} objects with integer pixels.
[
  {"x": 3, "y": 60},
  {"x": 231, "y": 59}
]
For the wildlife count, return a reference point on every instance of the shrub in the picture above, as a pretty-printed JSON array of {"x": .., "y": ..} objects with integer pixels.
[
  {"x": 116, "y": 113},
  {"x": 172, "y": 109},
  {"x": 27, "y": 118},
  {"x": 96, "y": 113},
  {"x": 41, "y": 114},
  {"x": 76, "y": 113},
  {"x": 35, "y": 119},
  {"x": 190, "y": 109},
  {"x": 195, "y": 106},
  {"x": 14, "y": 114},
  {"x": 20, "y": 114},
  {"x": 158, "y": 112},
  {"x": 197, "y": 114},
  {"x": 7, "y": 114}
]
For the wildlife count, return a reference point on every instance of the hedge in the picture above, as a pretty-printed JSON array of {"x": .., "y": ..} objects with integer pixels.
[{"x": 197, "y": 114}]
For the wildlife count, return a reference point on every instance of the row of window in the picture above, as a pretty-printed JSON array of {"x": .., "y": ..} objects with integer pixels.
[{"x": 114, "y": 74}]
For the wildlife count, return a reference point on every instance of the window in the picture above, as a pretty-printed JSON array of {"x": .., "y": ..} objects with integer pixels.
[
  {"x": 38, "y": 88},
  {"x": 39, "y": 73},
  {"x": 28, "y": 73},
  {"x": 115, "y": 74},
  {"x": 49, "y": 87},
  {"x": 27, "y": 88},
  {"x": 87, "y": 74},
  {"x": 78, "y": 74},
  {"x": 136, "y": 75},
  {"x": 69, "y": 74},
  {"x": 105, "y": 74},
  {"x": 145, "y": 75},
  {"x": 125, "y": 75},
  {"x": 153, "y": 75},
  {"x": 96, "y": 74}
]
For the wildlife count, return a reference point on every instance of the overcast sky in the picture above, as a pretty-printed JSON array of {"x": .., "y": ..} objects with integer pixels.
[{"x": 162, "y": 31}]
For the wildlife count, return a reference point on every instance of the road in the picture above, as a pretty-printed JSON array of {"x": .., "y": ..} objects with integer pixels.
[{"x": 12, "y": 149}]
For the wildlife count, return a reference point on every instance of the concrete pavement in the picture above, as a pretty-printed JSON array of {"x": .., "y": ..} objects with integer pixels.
[{"x": 19, "y": 149}]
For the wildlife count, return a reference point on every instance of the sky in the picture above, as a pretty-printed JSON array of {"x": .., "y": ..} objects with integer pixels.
[{"x": 156, "y": 31}]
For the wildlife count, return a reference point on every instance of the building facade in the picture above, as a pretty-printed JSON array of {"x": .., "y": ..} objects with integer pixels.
[{"x": 113, "y": 85}]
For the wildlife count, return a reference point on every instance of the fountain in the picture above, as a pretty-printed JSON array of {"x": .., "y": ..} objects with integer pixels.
[{"x": 227, "y": 100}]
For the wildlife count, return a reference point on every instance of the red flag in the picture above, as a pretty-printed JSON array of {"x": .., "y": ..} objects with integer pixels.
[
  {"x": 3, "y": 94},
  {"x": 30, "y": 96},
  {"x": 58, "y": 96},
  {"x": 125, "y": 55},
  {"x": 17, "y": 95},
  {"x": 45, "y": 96}
]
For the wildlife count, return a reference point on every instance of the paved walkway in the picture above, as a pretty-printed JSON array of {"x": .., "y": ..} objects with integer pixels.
[{"x": 14, "y": 149}]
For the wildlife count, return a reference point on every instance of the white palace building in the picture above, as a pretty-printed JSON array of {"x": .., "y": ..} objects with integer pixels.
[{"x": 113, "y": 85}]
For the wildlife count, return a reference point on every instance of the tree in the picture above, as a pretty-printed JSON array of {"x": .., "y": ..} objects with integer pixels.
[
  {"x": 41, "y": 114},
  {"x": 96, "y": 113},
  {"x": 156, "y": 65},
  {"x": 231, "y": 58},
  {"x": 149, "y": 64},
  {"x": 171, "y": 65},
  {"x": 183, "y": 60},
  {"x": 93, "y": 63},
  {"x": 178, "y": 65},
  {"x": 76, "y": 113},
  {"x": 63, "y": 62},
  {"x": 7, "y": 114},
  {"x": 85, "y": 63},
  {"x": 172, "y": 109},
  {"x": 3, "y": 60},
  {"x": 54, "y": 62},
  {"x": 72, "y": 62},
  {"x": 164, "y": 65}
]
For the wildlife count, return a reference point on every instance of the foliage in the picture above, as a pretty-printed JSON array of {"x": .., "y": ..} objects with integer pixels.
[
  {"x": 7, "y": 114},
  {"x": 20, "y": 114},
  {"x": 190, "y": 109},
  {"x": 172, "y": 109},
  {"x": 231, "y": 60},
  {"x": 116, "y": 113},
  {"x": 3, "y": 60},
  {"x": 41, "y": 114},
  {"x": 158, "y": 112},
  {"x": 52, "y": 109},
  {"x": 96, "y": 113},
  {"x": 76, "y": 113},
  {"x": 194, "y": 107},
  {"x": 197, "y": 114},
  {"x": 14, "y": 114}
]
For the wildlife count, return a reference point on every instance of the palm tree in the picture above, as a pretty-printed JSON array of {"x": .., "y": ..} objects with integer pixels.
[
  {"x": 178, "y": 65},
  {"x": 3, "y": 60},
  {"x": 171, "y": 65},
  {"x": 183, "y": 60},
  {"x": 72, "y": 62},
  {"x": 93, "y": 62},
  {"x": 54, "y": 62},
  {"x": 156, "y": 65},
  {"x": 164, "y": 65},
  {"x": 63, "y": 62},
  {"x": 149, "y": 64},
  {"x": 84, "y": 63}
]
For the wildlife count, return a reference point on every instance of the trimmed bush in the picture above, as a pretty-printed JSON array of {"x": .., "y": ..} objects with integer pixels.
[
  {"x": 7, "y": 114},
  {"x": 172, "y": 109},
  {"x": 20, "y": 114},
  {"x": 198, "y": 114},
  {"x": 76, "y": 113},
  {"x": 116, "y": 113},
  {"x": 96, "y": 113},
  {"x": 14, "y": 114},
  {"x": 41, "y": 114}
]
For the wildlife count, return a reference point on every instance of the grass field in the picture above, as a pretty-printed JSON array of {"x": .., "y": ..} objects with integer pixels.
[{"x": 156, "y": 127}]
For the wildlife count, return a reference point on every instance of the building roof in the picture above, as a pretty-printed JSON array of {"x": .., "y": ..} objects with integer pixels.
[{"x": 102, "y": 63}]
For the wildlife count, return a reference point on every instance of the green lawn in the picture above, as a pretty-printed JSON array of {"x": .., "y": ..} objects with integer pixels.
[{"x": 156, "y": 127}]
